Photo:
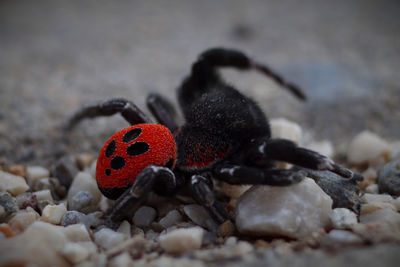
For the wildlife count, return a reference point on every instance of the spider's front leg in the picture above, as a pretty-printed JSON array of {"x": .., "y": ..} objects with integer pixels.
[
  {"x": 129, "y": 111},
  {"x": 264, "y": 151},
  {"x": 130, "y": 200}
]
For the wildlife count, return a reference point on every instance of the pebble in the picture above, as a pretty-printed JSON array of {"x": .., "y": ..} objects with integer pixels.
[
  {"x": 172, "y": 218},
  {"x": 2, "y": 212},
  {"x": 107, "y": 238},
  {"x": 342, "y": 218},
  {"x": 340, "y": 238},
  {"x": 292, "y": 211},
  {"x": 389, "y": 178},
  {"x": 39, "y": 245},
  {"x": 81, "y": 201},
  {"x": 368, "y": 148},
  {"x": 234, "y": 191},
  {"x": 372, "y": 189},
  {"x": 35, "y": 173},
  {"x": 12, "y": 184},
  {"x": 144, "y": 216},
  {"x": 283, "y": 128},
  {"x": 381, "y": 215},
  {"x": 6, "y": 230},
  {"x": 199, "y": 215},
  {"x": 22, "y": 219},
  {"x": 182, "y": 240},
  {"x": 84, "y": 161},
  {"x": 91, "y": 220},
  {"x": 65, "y": 170},
  {"x": 123, "y": 260},
  {"x": 84, "y": 182},
  {"x": 376, "y": 198},
  {"x": 125, "y": 229},
  {"x": 77, "y": 233},
  {"x": 44, "y": 196},
  {"x": 75, "y": 253},
  {"x": 54, "y": 213},
  {"x": 8, "y": 203}
]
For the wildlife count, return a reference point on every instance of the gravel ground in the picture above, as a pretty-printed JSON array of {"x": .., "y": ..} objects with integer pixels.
[{"x": 57, "y": 56}]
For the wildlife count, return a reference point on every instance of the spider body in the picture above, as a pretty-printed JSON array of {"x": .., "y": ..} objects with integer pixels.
[{"x": 226, "y": 137}]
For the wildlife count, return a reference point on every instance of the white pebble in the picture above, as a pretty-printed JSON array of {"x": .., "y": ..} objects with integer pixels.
[
  {"x": 283, "y": 128},
  {"x": 342, "y": 218},
  {"x": 374, "y": 198},
  {"x": 53, "y": 213},
  {"x": 44, "y": 195},
  {"x": 342, "y": 237},
  {"x": 372, "y": 189},
  {"x": 12, "y": 184},
  {"x": 122, "y": 260},
  {"x": 396, "y": 203},
  {"x": 368, "y": 147},
  {"x": 83, "y": 181},
  {"x": 181, "y": 240},
  {"x": 125, "y": 229},
  {"x": 22, "y": 219},
  {"x": 107, "y": 238},
  {"x": 77, "y": 233},
  {"x": 381, "y": 215},
  {"x": 35, "y": 173},
  {"x": 75, "y": 253},
  {"x": 292, "y": 211}
]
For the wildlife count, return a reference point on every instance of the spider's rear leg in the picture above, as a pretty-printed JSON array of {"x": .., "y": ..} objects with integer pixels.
[
  {"x": 241, "y": 175},
  {"x": 129, "y": 111},
  {"x": 163, "y": 110},
  {"x": 264, "y": 151},
  {"x": 130, "y": 200},
  {"x": 203, "y": 194}
]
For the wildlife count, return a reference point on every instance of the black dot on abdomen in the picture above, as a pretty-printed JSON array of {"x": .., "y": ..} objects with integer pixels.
[
  {"x": 137, "y": 148},
  {"x": 131, "y": 135},
  {"x": 110, "y": 148},
  {"x": 108, "y": 172},
  {"x": 117, "y": 163}
]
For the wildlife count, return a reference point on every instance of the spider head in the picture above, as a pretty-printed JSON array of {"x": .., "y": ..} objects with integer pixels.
[{"x": 128, "y": 152}]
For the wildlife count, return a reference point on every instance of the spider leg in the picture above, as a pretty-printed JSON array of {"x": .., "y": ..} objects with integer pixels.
[
  {"x": 204, "y": 75},
  {"x": 264, "y": 151},
  {"x": 163, "y": 110},
  {"x": 129, "y": 111},
  {"x": 131, "y": 199},
  {"x": 203, "y": 194},
  {"x": 239, "y": 174}
]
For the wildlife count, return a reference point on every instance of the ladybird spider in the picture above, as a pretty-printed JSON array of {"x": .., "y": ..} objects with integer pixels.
[{"x": 226, "y": 136}]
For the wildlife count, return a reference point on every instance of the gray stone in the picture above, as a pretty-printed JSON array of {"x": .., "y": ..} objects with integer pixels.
[
  {"x": 107, "y": 238},
  {"x": 8, "y": 202},
  {"x": 173, "y": 217},
  {"x": 80, "y": 201},
  {"x": 91, "y": 220},
  {"x": 144, "y": 216},
  {"x": 199, "y": 215},
  {"x": 65, "y": 170},
  {"x": 389, "y": 178}
]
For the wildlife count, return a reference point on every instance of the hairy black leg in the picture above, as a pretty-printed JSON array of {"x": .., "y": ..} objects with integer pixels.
[
  {"x": 129, "y": 111},
  {"x": 265, "y": 151},
  {"x": 163, "y": 110},
  {"x": 238, "y": 174},
  {"x": 203, "y": 194},
  {"x": 131, "y": 199},
  {"x": 204, "y": 75}
]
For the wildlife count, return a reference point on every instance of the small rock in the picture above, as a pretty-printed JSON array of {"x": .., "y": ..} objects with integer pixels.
[
  {"x": 389, "y": 178},
  {"x": 84, "y": 182},
  {"x": 172, "y": 218},
  {"x": 77, "y": 233},
  {"x": 292, "y": 211},
  {"x": 81, "y": 201},
  {"x": 226, "y": 229},
  {"x": 44, "y": 196},
  {"x": 123, "y": 259},
  {"x": 342, "y": 218},
  {"x": 376, "y": 198},
  {"x": 372, "y": 189},
  {"x": 368, "y": 148},
  {"x": 125, "y": 229},
  {"x": 6, "y": 230},
  {"x": 90, "y": 220},
  {"x": 12, "y": 184},
  {"x": 84, "y": 161},
  {"x": 107, "y": 238},
  {"x": 144, "y": 216},
  {"x": 396, "y": 203},
  {"x": 199, "y": 215},
  {"x": 75, "y": 253},
  {"x": 65, "y": 170},
  {"x": 51, "y": 184},
  {"x": 22, "y": 219},
  {"x": 381, "y": 215},
  {"x": 372, "y": 207},
  {"x": 53, "y": 213},
  {"x": 18, "y": 170},
  {"x": 151, "y": 235},
  {"x": 378, "y": 232},
  {"x": 340, "y": 238},
  {"x": 136, "y": 246},
  {"x": 370, "y": 177},
  {"x": 35, "y": 173},
  {"x": 181, "y": 240},
  {"x": 285, "y": 129},
  {"x": 3, "y": 212},
  {"x": 8, "y": 203}
]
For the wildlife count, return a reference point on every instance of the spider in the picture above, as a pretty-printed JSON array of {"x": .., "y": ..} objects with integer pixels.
[{"x": 226, "y": 137}]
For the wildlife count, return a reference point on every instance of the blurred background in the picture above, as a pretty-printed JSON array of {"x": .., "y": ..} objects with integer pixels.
[{"x": 56, "y": 56}]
